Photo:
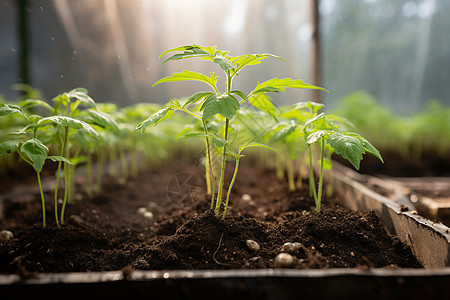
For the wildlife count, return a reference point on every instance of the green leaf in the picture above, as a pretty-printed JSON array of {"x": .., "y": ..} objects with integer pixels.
[
  {"x": 8, "y": 109},
  {"x": 70, "y": 122},
  {"x": 104, "y": 120},
  {"x": 349, "y": 147},
  {"x": 224, "y": 63},
  {"x": 250, "y": 60},
  {"x": 227, "y": 106},
  {"x": 315, "y": 136},
  {"x": 56, "y": 158},
  {"x": 36, "y": 151},
  {"x": 82, "y": 95},
  {"x": 253, "y": 144},
  {"x": 35, "y": 102},
  {"x": 368, "y": 146},
  {"x": 285, "y": 131},
  {"x": 238, "y": 93},
  {"x": 189, "y": 51},
  {"x": 191, "y": 75},
  {"x": 155, "y": 118},
  {"x": 8, "y": 146},
  {"x": 197, "y": 97},
  {"x": 279, "y": 85},
  {"x": 263, "y": 102},
  {"x": 316, "y": 119}
]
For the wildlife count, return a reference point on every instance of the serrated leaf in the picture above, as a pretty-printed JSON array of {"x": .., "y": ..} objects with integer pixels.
[
  {"x": 70, "y": 122},
  {"x": 8, "y": 146},
  {"x": 197, "y": 97},
  {"x": 36, "y": 151},
  {"x": 227, "y": 106},
  {"x": 103, "y": 120},
  {"x": 250, "y": 60},
  {"x": 263, "y": 102},
  {"x": 155, "y": 118},
  {"x": 56, "y": 158},
  {"x": 190, "y": 75},
  {"x": 279, "y": 85},
  {"x": 368, "y": 146},
  {"x": 349, "y": 147}
]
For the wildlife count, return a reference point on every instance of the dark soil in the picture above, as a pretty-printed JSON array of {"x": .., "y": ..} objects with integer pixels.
[{"x": 109, "y": 232}]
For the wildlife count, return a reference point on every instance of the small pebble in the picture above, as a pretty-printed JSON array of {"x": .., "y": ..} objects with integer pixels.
[
  {"x": 252, "y": 245},
  {"x": 284, "y": 260},
  {"x": 142, "y": 210},
  {"x": 6, "y": 235},
  {"x": 352, "y": 253},
  {"x": 291, "y": 247},
  {"x": 246, "y": 197},
  {"x": 148, "y": 215}
]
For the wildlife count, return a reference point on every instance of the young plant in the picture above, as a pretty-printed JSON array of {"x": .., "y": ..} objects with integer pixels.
[
  {"x": 350, "y": 146},
  {"x": 31, "y": 150},
  {"x": 213, "y": 104}
]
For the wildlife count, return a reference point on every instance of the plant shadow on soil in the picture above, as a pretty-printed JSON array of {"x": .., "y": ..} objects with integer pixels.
[{"x": 113, "y": 232}]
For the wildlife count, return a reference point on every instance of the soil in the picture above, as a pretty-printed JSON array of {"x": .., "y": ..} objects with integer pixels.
[{"x": 112, "y": 232}]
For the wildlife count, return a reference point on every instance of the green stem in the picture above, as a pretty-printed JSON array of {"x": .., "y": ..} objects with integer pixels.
[
  {"x": 66, "y": 192},
  {"x": 210, "y": 183},
  {"x": 89, "y": 176},
  {"x": 312, "y": 186},
  {"x": 134, "y": 169},
  {"x": 319, "y": 196},
  {"x": 100, "y": 169},
  {"x": 230, "y": 187},
  {"x": 222, "y": 170},
  {"x": 42, "y": 198},
  {"x": 58, "y": 172},
  {"x": 290, "y": 173},
  {"x": 123, "y": 161}
]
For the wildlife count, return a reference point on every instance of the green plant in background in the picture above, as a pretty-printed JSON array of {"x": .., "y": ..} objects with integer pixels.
[
  {"x": 216, "y": 105},
  {"x": 31, "y": 150}
]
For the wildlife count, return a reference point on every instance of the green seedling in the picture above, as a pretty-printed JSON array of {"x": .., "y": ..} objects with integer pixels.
[
  {"x": 350, "y": 146},
  {"x": 213, "y": 104},
  {"x": 31, "y": 150}
]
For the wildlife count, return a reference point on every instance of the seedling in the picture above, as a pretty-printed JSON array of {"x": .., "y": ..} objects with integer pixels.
[
  {"x": 216, "y": 105},
  {"x": 350, "y": 146},
  {"x": 32, "y": 151}
]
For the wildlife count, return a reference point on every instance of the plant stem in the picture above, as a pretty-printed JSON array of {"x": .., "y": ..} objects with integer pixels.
[
  {"x": 123, "y": 161},
  {"x": 42, "y": 198},
  {"x": 66, "y": 192},
  {"x": 210, "y": 183},
  {"x": 230, "y": 187},
  {"x": 319, "y": 196},
  {"x": 290, "y": 173},
  {"x": 58, "y": 172},
  {"x": 89, "y": 189},
  {"x": 312, "y": 186},
  {"x": 222, "y": 170}
]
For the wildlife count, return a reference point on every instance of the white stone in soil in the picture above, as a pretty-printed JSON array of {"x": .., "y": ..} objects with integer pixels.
[
  {"x": 6, "y": 235},
  {"x": 284, "y": 260},
  {"x": 252, "y": 245}
]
